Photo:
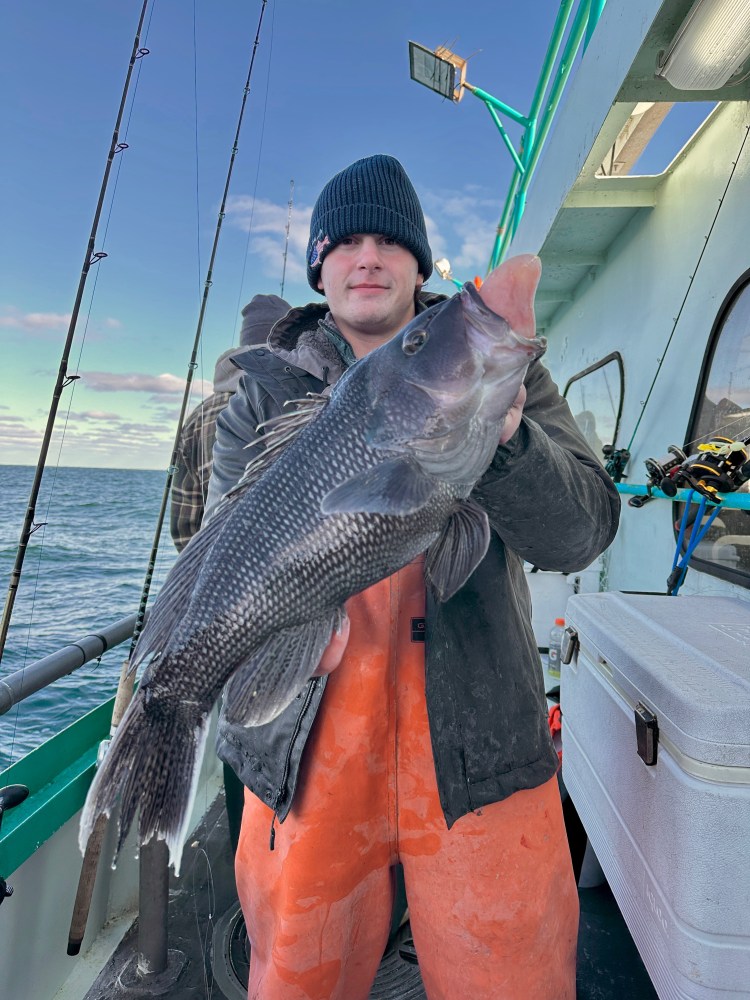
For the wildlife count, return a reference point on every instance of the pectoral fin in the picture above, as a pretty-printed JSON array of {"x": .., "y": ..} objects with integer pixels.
[
  {"x": 395, "y": 487},
  {"x": 456, "y": 554},
  {"x": 262, "y": 687}
]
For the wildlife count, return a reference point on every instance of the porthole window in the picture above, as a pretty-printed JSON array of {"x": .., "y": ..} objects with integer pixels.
[
  {"x": 722, "y": 409},
  {"x": 595, "y": 400}
]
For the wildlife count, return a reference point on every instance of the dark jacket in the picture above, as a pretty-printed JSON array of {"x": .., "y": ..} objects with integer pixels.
[{"x": 549, "y": 501}]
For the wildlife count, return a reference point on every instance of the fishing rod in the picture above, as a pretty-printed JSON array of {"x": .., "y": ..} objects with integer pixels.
[
  {"x": 193, "y": 364},
  {"x": 125, "y": 687},
  {"x": 63, "y": 379},
  {"x": 286, "y": 242}
]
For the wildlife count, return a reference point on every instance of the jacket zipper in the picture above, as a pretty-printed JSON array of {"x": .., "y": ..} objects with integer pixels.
[{"x": 285, "y": 773}]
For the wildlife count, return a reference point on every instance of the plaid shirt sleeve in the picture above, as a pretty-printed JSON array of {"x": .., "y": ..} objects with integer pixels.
[{"x": 194, "y": 457}]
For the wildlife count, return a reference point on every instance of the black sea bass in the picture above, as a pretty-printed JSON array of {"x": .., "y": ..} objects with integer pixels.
[{"x": 348, "y": 490}]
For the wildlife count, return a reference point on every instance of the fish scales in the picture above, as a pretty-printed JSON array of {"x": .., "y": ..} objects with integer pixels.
[{"x": 380, "y": 473}]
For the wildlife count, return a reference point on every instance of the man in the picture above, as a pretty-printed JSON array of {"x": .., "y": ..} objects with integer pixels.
[
  {"x": 434, "y": 754},
  {"x": 190, "y": 481}
]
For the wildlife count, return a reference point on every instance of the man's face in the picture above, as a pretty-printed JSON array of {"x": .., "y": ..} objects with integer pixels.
[{"x": 369, "y": 282}]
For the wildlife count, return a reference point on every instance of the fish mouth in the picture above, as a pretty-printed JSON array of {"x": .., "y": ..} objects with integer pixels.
[
  {"x": 441, "y": 396},
  {"x": 487, "y": 330}
]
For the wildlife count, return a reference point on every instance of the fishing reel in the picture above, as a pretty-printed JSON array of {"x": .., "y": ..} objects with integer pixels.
[
  {"x": 661, "y": 473},
  {"x": 720, "y": 466},
  {"x": 615, "y": 460}
]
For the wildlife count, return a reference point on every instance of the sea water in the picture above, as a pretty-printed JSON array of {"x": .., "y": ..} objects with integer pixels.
[{"x": 83, "y": 570}]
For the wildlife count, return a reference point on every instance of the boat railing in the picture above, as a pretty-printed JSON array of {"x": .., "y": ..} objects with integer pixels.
[
  {"x": 21, "y": 683},
  {"x": 154, "y": 956}
]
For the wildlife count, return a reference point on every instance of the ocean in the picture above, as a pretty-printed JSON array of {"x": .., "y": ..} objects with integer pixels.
[{"x": 83, "y": 570}]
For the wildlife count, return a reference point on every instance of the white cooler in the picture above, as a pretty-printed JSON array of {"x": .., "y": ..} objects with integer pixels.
[{"x": 666, "y": 801}]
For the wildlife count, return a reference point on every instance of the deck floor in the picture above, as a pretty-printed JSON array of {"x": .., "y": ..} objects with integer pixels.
[{"x": 609, "y": 967}]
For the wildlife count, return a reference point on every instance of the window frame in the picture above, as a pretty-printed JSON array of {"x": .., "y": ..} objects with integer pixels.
[
  {"x": 730, "y": 575},
  {"x": 613, "y": 356}
]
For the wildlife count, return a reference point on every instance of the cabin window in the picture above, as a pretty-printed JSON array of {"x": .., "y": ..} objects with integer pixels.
[
  {"x": 595, "y": 400},
  {"x": 722, "y": 408}
]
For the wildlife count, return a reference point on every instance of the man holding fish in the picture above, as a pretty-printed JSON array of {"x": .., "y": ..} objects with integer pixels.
[{"x": 422, "y": 736}]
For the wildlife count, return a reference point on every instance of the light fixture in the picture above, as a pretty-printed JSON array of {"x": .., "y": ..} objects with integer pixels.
[
  {"x": 712, "y": 44},
  {"x": 440, "y": 70}
]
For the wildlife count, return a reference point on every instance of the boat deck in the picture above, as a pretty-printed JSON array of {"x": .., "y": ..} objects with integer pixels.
[{"x": 208, "y": 953}]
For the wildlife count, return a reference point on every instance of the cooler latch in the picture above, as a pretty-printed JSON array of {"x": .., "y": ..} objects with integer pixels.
[
  {"x": 647, "y": 734},
  {"x": 568, "y": 645}
]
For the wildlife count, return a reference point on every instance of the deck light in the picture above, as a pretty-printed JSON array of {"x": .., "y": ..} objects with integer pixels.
[
  {"x": 712, "y": 44},
  {"x": 441, "y": 70}
]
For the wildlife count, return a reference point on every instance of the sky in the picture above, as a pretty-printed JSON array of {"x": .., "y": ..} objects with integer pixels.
[{"x": 330, "y": 84}]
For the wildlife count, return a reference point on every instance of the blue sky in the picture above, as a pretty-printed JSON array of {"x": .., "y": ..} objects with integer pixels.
[{"x": 330, "y": 84}]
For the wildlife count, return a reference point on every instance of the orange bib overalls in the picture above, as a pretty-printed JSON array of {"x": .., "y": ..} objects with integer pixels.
[{"x": 492, "y": 902}]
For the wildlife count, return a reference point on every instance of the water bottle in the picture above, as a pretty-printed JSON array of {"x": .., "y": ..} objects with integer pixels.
[{"x": 555, "y": 647}]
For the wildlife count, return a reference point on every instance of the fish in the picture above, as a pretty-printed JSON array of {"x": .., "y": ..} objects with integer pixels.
[{"x": 349, "y": 488}]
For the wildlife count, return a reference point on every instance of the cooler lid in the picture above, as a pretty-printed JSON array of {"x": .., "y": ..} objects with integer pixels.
[{"x": 687, "y": 658}]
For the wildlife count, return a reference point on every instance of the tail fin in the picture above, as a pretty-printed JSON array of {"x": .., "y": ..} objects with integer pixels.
[{"x": 154, "y": 761}]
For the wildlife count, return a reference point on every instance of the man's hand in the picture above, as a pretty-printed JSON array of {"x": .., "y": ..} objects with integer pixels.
[{"x": 513, "y": 417}]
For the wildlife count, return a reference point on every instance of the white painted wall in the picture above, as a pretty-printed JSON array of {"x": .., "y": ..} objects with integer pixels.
[{"x": 629, "y": 305}]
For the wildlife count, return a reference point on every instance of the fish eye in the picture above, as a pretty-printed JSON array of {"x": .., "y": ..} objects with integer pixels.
[{"x": 414, "y": 342}]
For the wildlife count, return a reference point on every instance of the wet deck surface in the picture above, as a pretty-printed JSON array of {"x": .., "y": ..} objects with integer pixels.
[{"x": 207, "y": 938}]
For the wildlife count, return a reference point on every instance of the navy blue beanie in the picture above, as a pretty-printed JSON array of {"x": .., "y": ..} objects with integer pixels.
[{"x": 373, "y": 195}]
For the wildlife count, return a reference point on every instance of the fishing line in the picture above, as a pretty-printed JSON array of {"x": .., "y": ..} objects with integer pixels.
[
  {"x": 116, "y": 147},
  {"x": 257, "y": 174},
  {"x": 205, "y": 941},
  {"x": 706, "y": 241},
  {"x": 201, "y": 456},
  {"x": 141, "y": 614},
  {"x": 121, "y": 147},
  {"x": 62, "y": 379},
  {"x": 197, "y": 147}
]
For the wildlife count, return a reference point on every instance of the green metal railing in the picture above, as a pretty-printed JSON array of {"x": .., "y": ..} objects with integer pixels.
[
  {"x": 556, "y": 69},
  {"x": 730, "y": 501},
  {"x": 58, "y": 775}
]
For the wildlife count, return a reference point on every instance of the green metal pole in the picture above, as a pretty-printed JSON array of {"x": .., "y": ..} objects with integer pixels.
[
  {"x": 553, "y": 49},
  {"x": 566, "y": 65},
  {"x": 502, "y": 226},
  {"x": 596, "y": 12},
  {"x": 506, "y": 109},
  {"x": 505, "y": 137},
  {"x": 558, "y": 31}
]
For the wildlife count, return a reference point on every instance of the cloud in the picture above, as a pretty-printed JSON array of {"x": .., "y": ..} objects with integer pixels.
[
  {"x": 463, "y": 223},
  {"x": 266, "y": 223},
  {"x": 14, "y": 432},
  {"x": 94, "y": 415},
  {"x": 112, "y": 323},
  {"x": 36, "y": 321},
  {"x": 158, "y": 385},
  {"x": 93, "y": 438},
  {"x": 460, "y": 226}
]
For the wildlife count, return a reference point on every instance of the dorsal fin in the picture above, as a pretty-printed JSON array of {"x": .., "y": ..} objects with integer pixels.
[
  {"x": 175, "y": 594},
  {"x": 279, "y": 432}
]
